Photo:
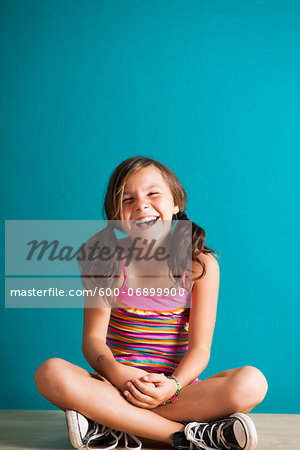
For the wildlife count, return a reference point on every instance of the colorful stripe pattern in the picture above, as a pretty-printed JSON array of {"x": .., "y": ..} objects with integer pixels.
[
  {"x": 154, "y": 338},
  {"x": 154, "y": 342}
]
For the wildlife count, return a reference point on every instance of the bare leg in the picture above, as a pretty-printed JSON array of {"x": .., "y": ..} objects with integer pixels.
[
  {"x": 235, "y": 390},
  {"x": 70, "y": 387}
]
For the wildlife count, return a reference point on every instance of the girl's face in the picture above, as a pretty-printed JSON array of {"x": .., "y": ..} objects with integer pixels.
[{"x": 147, "y": 200}]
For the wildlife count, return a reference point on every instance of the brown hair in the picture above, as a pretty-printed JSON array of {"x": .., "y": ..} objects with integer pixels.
[{"x": 113, "y": 211}]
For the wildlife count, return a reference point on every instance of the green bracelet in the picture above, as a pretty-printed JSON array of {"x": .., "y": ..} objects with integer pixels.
[
  {"x": 174, "y": 397},
  {"x": 178, "y": 387}
]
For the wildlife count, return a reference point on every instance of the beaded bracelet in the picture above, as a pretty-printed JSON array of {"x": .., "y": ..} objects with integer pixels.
[{"x": 174, "y": 397}]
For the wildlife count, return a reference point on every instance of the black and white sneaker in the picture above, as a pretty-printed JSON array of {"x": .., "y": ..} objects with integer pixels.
[
  {"x": 236, "y": 431},
  {"x": 84, "y": 431}
]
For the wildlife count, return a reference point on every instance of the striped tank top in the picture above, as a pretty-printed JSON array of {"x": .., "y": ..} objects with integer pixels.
[{"x": 153, "y": 339}]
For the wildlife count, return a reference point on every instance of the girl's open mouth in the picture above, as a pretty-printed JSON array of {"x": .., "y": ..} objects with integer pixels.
[{"x": 146, "y": 223}]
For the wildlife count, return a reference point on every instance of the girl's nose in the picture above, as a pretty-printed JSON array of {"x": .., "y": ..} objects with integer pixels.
[{"x": 142, "y": 205}]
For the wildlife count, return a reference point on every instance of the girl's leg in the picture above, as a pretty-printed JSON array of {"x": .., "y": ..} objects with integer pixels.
[
  {"x": 68, "y": 386},
  {"x": 228, "y": 392}
]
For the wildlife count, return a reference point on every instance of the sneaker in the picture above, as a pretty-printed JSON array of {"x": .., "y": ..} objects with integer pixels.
[
  {"x": 111, "y": 439},
  {"x": 234, "y": 432},
  {"x": 84, "y": 431}
]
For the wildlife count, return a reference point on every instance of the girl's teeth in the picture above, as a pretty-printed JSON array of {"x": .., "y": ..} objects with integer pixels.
[{"x": 147, "y": 222}]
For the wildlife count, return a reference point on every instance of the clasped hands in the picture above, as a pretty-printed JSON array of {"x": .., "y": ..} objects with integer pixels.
[{"x": 149, "y": 391}]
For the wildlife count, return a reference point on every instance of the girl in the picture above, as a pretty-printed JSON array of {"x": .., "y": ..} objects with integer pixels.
[{"x": 146, "y": 361}]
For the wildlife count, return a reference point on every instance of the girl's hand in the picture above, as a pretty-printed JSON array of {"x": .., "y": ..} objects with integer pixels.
[
  {"x": 150, "y": 391},
  {"x": 127, "y": 373}
]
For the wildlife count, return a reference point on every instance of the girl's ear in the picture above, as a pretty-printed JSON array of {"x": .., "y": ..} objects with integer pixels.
[{"x": 175, "y": 210}]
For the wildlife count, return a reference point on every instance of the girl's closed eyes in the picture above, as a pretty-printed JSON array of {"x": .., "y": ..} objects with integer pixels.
[{"x": 131, "y": 198}]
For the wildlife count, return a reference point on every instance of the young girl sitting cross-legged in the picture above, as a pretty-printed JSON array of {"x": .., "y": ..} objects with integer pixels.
[{"x": 151, "y": 343}]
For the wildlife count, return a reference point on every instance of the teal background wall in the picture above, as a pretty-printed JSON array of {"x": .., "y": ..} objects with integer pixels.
[{"x": 211, "y": 89}]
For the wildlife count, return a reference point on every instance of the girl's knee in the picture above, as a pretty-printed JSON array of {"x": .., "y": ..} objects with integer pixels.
[
  {"x": 48, "y": 371},
  {"x": 248, "y": 387},
  {"x": 257, "y": 381}
]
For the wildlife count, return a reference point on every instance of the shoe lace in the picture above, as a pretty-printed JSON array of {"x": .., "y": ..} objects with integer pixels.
[
  {"x": 116, "y": 435},
  {"x": 136, "y": 439},
  {"x": 104, "y": 433},
  {"x": 192, "y": 429}
]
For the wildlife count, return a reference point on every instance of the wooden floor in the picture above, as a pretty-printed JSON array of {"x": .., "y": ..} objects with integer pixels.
[{"x": 47, "y": 430}]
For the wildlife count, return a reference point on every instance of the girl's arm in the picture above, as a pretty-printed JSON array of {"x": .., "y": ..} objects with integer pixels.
[
  {"x": 202, "y": 321},
  {"x": 96, "y": 351}
]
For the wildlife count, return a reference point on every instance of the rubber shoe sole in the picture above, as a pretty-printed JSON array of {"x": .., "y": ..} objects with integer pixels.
[
  {"x": 248, "y": 428},
  {"x": 73, "y": 429}
]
